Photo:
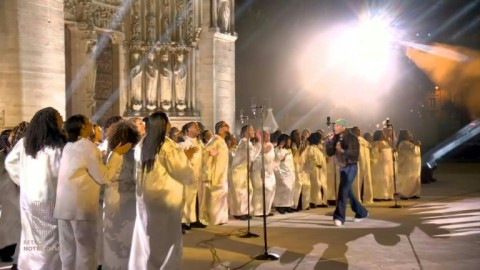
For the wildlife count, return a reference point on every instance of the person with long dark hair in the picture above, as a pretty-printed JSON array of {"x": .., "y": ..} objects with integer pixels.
[
  {"x": 162, "y": 170},
  {"x": 33, "y": 164},
  {"x": 81, "y": 173},
  {"x": 316, "y": 166},
  {"x": 409, "y": 166}
]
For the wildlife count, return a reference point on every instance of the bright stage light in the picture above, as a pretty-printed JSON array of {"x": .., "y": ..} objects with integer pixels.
[{"x": 364, "y": 49}]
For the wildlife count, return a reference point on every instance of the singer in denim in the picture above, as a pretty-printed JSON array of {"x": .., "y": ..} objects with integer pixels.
[{"x": 344, "y": 145}]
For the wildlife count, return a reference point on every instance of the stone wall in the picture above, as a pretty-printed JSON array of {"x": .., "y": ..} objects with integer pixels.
[{"x": 32, "y": 65}]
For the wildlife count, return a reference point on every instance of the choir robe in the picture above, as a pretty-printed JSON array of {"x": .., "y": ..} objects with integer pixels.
[
  {"x": 285, "y": 179},
  {"x": 333, "y": 177},
  {"x": 193, "y": 188},
  {"x": 215, "y": 177},
  {"x": 37, "y": 178},
  {"x": 382, "y": 170},
  {"x": 157, "y": 235},
  {"x": 318, "y": 181},
  {"x": 119, "y": 211},
  {"x": 10, "y": 224},
  {"x": 302, "y": 179},
  {"x": 364, "y": 174},
  {"x": 238, "y": 188},
  {"x": 257, "y": 198},
  {"x": 409, "y": 166}
]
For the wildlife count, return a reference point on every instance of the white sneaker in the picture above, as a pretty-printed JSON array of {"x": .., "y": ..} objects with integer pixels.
[
  {"x": 360, "y": 219},
  {"x": 337, "y": 223}
]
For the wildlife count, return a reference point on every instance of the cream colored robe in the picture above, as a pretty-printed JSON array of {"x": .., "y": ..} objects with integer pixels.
[
  {"x": 382, "y": 170},
  {"x": 285, "y": 179},
  {"x": 318, "y": 181},
  {"x": 238, "y": 188},
  {"x": 192, "y": 189},
  {"x": 302, "y": 180},
  {"x": 364, "y": 175},
  {"x": 215, "y": 177},
  {"x": 157, "y": 235},
  {"x": 270, "y": 164},
  {"x": 37, "y": 178},
  {"x": 409, "y": 166}
]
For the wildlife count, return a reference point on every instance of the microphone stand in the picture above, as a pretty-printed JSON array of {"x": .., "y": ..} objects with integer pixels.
[
  {"x": 248, "y": 234},
  {"x": 394, "y": 161},
  {"x": 332, "y": 125},
  {"x": 265, "y": 255}
]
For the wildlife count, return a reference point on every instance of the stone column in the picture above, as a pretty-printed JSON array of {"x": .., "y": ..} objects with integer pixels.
[
  {"x": 216, "y": 82},
  {"x": 32, "y": 65},
  {"x": 81, "y": 70}
]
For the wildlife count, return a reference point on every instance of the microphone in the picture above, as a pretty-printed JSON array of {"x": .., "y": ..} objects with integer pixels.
[{"x": 328, "y": 121}]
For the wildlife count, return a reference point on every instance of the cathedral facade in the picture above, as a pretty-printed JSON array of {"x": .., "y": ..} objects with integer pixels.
[{"x": 118, "y": 57}]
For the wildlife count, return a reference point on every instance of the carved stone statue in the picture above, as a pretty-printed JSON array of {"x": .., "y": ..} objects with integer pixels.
[
  {"x": 136, "y": 27},
  {"x": 180, "y": 20},
  {"x": 224, "y": 11},
  {"x": 151, "y": 79},
  {"x": 165, "y": 21},
  {"x": 136, "y": 76},
  {"x": 165, "y": 81},
  {"x": 180, "y": 82},
  {"x": 151, "y": 28},
  {"x": 91, "y": 74}
]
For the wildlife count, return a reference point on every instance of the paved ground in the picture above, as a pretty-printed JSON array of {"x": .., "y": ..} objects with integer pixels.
[{"x": 439, "y": 231}]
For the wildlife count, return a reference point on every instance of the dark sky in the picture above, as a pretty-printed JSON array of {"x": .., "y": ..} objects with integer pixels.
[{"x": 272, "y": 35}]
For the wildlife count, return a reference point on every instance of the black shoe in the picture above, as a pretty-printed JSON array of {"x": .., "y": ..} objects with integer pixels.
[
  {"x": 289, "y": 210},
  {"x": 322, "y": 205},
  {"x": 244, "y": 217},
  {"x": 404, "y": 198},
  {"x": 281, "y": 210},
  {"x": 14, "y": 267},
  {"x": 238, "y": 217},
  {"x": 312, "y": 205},
  {"x": 186, "y": 227},
  {"x": 198, "y": 224},
  {"x": 271, "y": 215},
  {"x": 331, "y": 202},
  {"x": 415, "y": 197},
  {"x": 99, "y": 267}
]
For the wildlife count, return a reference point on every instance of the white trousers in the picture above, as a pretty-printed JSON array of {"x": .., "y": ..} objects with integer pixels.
[{"x": 78, "y": 242}]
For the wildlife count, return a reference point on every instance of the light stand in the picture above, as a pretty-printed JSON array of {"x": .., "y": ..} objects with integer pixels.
[
  {"x": 332, "y": 126},
  {"x": 248, "y": 234},
  {"x": 388, "y": 124},
  {"x": 265, "y": 255}
]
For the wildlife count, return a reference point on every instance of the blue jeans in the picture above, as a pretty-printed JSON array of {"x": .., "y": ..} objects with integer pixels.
[{"x": 347, "y": 175}]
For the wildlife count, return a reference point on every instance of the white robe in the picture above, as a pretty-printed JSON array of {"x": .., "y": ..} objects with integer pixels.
[
  {"x": 333, "y": 177},
  {"x": 257, "y": 198},
  {"x": 409, "y": 166},
  {"x": 382, "y": 171},
  {"x": 302, "y": 180},
  {"x": 157, "y": 235},
  {"x": 285, "y": 179},
  {"x": 238, "y": 188},
  {"x": 37, "y": 178},
  {"x": 215, "y": 177},
  {"x": 192, "y": 189},
  {"x": 318, "y": 181},
  {"x": 10, "y": 224},
  {"x": 119, "y": 211},
  {"x": 364, "y": 174}
]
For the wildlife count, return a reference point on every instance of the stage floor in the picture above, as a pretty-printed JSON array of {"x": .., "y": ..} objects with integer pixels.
[{"x": 439, "y": 231}]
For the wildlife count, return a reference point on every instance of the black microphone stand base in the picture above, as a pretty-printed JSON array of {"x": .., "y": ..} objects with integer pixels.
[
  {"x": 267, "y": 257},
  {"x": 248, "y": 235}
]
